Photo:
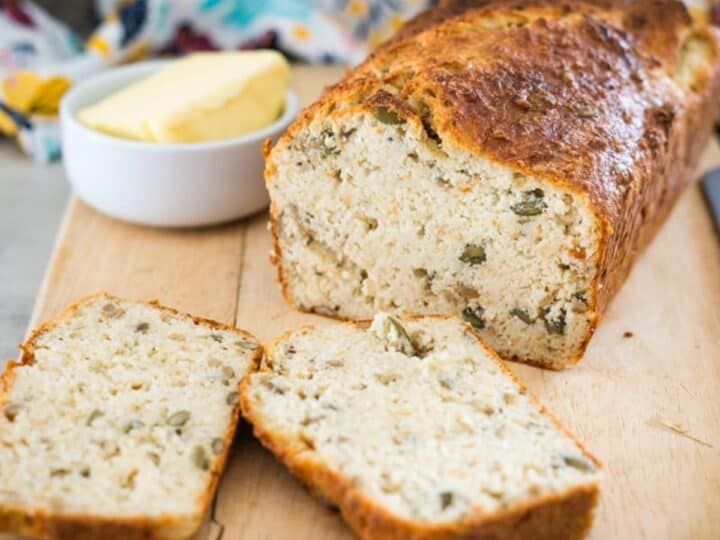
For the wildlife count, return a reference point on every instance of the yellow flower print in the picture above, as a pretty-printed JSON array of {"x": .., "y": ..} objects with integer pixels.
[
  {"x": 99, "y": 45},
  {"x": 396, "y": 21},
  {"x": 357, "y": 8},
  {"x": 301, "y": 33},
  {"x": 7, "y": 125},
  {"x": 28, "y": 93}
]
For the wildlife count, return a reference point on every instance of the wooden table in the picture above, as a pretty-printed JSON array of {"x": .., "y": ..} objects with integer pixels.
[{"x": 646, "y": 398}]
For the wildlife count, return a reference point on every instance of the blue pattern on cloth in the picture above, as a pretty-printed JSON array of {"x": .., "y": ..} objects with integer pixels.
[
  {"x": 241, "y": 13},
  {"x": 133, "y": 19}
]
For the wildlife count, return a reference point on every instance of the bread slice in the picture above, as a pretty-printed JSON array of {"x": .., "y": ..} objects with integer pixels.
[
  {"x": 118, "y": 420},
  {"x": 415, "y": 429},
  {"x": 498, "y": 161}
]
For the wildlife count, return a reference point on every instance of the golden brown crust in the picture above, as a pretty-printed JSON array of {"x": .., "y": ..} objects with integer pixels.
[
  {"x": 557, "y": 517},
  {"x": 58, "y": 526},
  {"x": 84, "y": 527},
  {"x": 579, "y": 93}
]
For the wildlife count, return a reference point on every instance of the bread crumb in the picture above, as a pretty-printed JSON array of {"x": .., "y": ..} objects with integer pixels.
[{"x": 628, "y": 334}]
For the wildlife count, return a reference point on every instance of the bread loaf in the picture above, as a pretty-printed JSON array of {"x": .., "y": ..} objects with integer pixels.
[
  {"x": 415, "y": 429},
  {"x": 503, "y": 161},
  {"x": 117, "y": 422}
]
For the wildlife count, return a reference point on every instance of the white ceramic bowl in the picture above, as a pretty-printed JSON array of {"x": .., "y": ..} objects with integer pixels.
[{"x": 172, "y": 185}]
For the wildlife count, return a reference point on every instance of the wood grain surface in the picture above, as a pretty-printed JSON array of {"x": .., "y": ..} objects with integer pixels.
[{"x": 645, "y": 400}]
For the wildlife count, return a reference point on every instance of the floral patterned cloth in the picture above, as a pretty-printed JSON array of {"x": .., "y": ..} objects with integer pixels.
[{"x": 40, "y": 58}]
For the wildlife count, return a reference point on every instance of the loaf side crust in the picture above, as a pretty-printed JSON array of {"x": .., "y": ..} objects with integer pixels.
[
  {"x": 61, "y": 526},
  {"x": 537, "y": 520},
  {"x": 667, "y": 128}
]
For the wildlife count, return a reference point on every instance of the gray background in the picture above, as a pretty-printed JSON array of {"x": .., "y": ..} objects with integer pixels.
[{"x": 32, "y": 199}]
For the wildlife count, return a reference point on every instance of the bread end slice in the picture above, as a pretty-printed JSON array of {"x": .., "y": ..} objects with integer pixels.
[
  {"x": 118, "y": 420},
  {"x": 437, "y": 442}
]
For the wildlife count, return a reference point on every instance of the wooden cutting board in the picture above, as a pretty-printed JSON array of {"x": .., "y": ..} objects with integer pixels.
[{"x": 646, "y": 398}]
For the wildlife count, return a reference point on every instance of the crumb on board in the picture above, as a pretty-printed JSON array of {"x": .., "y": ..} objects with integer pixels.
[
  {"x": 628, "y": 334},
  {"x": 676, "y": 427}
]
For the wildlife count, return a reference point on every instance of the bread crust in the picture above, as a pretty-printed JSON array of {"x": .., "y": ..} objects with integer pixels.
[
  {"x": 62, "y": 526},
  {"x": 557, "y": 517},
  {"x": 563, "y": 92}
]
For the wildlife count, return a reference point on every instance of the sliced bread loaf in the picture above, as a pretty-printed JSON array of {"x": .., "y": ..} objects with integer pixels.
[
  {"x": 415, "y": 429},
  {"x": 117, "y": 421},
  {"x": 500, "y": 161}
]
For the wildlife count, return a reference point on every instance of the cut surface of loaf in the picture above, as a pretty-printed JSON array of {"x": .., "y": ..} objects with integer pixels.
[
  {"x": 118, "y": 420},
  {"x": 415, "y": 429},
  {"x": 500, "y": 161}
]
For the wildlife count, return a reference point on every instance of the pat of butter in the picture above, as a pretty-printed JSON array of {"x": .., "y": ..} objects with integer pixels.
[{"x": 203, "y": 97}]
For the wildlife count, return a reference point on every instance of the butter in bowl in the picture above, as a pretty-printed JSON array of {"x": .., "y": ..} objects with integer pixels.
[{"x": 177, "y": 143}]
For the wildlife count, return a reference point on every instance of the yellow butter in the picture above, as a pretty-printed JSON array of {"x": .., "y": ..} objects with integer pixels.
[{"x": 202, "y": 97}]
